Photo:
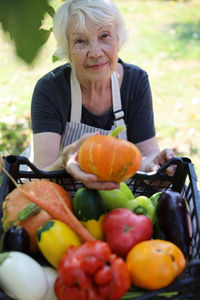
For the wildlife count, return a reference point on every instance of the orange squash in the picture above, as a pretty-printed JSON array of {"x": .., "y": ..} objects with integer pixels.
[
  {"x": 109, "y": 158},
  {"x": 16, "y": 201},
  {"x": 154, "y": 264}
]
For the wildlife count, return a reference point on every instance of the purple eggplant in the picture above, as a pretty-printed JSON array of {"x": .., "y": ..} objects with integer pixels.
[
  {"x": 16, "y": 238},
  {"x": 174, "y": 221}
]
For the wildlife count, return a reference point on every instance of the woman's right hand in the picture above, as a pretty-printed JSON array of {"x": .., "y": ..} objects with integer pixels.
[{"x": 70, "y": 163}]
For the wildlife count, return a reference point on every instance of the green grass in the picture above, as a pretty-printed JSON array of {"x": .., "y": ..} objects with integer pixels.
[{"x": 164, "y": 39}]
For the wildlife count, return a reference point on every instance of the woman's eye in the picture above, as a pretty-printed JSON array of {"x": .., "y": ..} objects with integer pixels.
[
  {"x": 105, "y": 35},
  {"x": 79, "y": 41}
]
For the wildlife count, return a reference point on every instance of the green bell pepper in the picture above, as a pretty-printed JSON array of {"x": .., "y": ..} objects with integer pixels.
[
  {"x": 116, "y": 198},
  {"x": 142, "y": 205},
  {"x": 154, "y": 198}
]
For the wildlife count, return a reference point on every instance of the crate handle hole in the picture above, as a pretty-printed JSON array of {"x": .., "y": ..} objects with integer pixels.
[
  {"x": 11, "y": 159},
  {"x": 186, "y": 159}
]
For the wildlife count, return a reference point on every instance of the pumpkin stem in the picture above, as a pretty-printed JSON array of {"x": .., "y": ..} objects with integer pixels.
[
  {"x": 28, "y": 211},
  {"x": 117, "y": 130}
]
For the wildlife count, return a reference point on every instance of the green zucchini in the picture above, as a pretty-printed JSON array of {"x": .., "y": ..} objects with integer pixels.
[{"x": 89, "y": 209}]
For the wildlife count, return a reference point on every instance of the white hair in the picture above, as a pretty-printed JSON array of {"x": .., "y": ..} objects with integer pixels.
[{"x": 99, "y": 12}]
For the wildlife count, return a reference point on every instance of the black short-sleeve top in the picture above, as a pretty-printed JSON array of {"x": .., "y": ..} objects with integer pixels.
[{"x": 51, "y": 104}]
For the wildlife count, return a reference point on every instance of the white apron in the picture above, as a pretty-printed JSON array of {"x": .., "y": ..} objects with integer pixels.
[{"x": 74, "y": 129}]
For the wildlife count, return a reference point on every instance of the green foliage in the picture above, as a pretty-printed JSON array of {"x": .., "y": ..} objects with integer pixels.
[
  {"x": 22, "y": 19},
  {"x": 14, "y": 138},
  {"x": 174, "y": 32}
]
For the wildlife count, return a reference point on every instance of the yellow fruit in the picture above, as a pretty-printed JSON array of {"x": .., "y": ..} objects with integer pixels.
[
  {"x": 54, "y": 238},
  {"x": 154, "y": 264}
]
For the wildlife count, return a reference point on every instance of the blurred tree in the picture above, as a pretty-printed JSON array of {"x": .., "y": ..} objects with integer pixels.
[{"x": 22, "y": 19}]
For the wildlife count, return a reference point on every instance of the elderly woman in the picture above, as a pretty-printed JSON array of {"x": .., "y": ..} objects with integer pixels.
[{"x": 94, "y": 92}]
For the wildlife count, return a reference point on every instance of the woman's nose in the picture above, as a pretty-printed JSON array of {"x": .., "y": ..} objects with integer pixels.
[{"x": 95, "y": 49}]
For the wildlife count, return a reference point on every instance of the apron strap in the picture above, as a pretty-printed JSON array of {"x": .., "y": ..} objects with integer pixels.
[
  {"x": 76, "y": 97},
  {"x": 117, "y": 106}
]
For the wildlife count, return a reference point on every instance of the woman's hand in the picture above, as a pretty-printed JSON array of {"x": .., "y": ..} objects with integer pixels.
[
  {"x": 70, "y": 163},
  {"x": 160, "y": 159},
  {"x": 153, "y": 158}
]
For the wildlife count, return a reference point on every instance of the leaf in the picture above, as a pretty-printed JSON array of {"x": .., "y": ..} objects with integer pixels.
[
  {"x": 136, "y": 292},
  {"x": 50, "y": 11},
  {"x": 54, "y": 58},
  {"x": 27, "y": 49},
  {"x": 22, "y": 19}
]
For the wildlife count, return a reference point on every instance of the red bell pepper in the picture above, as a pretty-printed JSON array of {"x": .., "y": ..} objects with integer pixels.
[{"x": 90, "y": 271}]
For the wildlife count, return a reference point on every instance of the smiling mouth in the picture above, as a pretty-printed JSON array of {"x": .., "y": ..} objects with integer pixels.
[{"x": 97, "y": 66}]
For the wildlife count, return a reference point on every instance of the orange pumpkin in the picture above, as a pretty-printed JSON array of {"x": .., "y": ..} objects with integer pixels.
[
  {"x": 154, "y": 264},
  {"x": 109, "y": 158},
  {"x": 16, "y": 201}
]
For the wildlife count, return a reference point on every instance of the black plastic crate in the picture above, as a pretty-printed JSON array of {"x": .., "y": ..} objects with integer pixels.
[{"x": 184, "y": 181}]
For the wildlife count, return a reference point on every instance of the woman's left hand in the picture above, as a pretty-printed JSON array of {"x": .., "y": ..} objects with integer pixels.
[
  {"x": 160, "y": 159},
  {"x": 153, "y": 158}
]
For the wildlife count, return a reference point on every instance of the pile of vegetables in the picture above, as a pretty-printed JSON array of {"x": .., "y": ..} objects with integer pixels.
[
  {"x": 96, "y": 245},
  {"x": 19, "y": 209}
]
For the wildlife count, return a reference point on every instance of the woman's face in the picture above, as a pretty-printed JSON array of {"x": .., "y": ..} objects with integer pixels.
[{"x": 93, "y": 52}]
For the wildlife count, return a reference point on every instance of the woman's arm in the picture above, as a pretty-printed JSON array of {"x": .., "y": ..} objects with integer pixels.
[
  {"x": 153, "y": 158},
  {"x": 46, "y": 151}
]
